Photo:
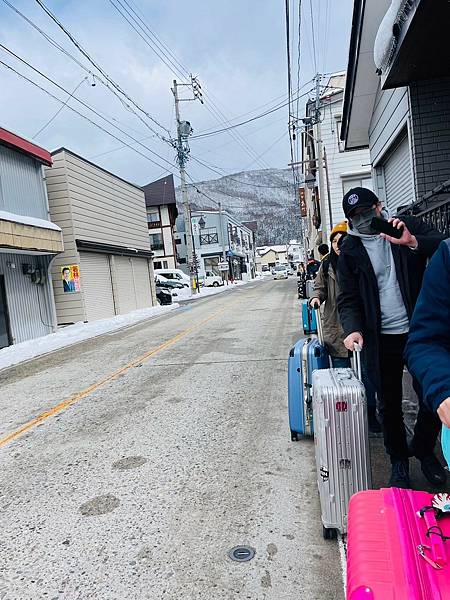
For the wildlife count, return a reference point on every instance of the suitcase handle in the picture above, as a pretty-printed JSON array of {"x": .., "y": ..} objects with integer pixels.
[
  {"x": 357, "y": 360},
  {"x": 319, "y": 325}
]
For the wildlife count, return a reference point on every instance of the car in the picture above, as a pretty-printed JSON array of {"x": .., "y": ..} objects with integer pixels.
[
  {"x": 170, "y": 284},
  {"x": 281, "y": 272},
  {"x": 211, "y": 279},
  {"x": 163, "y": 296},
  {"x": 175, "y": 275}
]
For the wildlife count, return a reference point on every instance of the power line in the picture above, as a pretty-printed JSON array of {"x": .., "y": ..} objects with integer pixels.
[
  {"x": 313, "y": 36},
  {"x": 87, "y": 118},
  {"x": 264, "y": 114},
  {"x": 216, "y": 110},
  {"x": 98, "y": 67},
  {"x": 59, "y": 110}
]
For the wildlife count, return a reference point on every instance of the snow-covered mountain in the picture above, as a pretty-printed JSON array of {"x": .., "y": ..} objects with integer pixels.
[{"x": 265, "y": 196}]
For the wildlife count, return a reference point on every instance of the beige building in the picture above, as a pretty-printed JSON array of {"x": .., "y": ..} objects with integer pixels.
[{"x": 106, "y": 268}]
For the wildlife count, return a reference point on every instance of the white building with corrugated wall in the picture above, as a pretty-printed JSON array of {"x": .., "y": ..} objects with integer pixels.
[
  {"x": 107, "y": 258},
  {"x": 29, "y": 242},
  {"x": 342, "y": 169}
]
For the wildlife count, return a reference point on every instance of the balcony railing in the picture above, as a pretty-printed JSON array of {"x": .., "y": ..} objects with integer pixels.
[
  {"x": 154, "y": 224},
  {"x": 433, "y": 208},
  {"x": 208, "y": 238}
]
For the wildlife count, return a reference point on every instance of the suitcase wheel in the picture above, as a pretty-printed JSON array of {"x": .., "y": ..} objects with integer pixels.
[
  {"x": 329, "y": 534},
  {"x": 294, "y": 436}
]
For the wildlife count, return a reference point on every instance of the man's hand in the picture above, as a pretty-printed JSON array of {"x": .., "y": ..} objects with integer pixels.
[
  {"x": 314, "y": 303},
  {"x": 352, "y": 339},
  {"x": 407, "y": 239},
  {"x": 444, "y": 412}
]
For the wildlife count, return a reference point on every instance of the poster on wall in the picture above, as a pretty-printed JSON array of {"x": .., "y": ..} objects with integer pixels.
[{"x": 70, "y": 275}]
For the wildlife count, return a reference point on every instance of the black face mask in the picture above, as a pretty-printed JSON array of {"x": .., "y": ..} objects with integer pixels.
[{"x": 361, "y": 222}]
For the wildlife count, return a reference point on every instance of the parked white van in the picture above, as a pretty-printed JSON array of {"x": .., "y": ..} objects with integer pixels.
[
  {"x": 175, "y": 274},
  {"x": 211, "y": 279}
]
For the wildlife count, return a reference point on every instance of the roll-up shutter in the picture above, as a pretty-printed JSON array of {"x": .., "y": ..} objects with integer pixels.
[
  {"x": 125, "y": 285},
  {"x": 96, "y": 285},
  {"x": 142, "y": 281},
  {"x": 398, "y": 178}
]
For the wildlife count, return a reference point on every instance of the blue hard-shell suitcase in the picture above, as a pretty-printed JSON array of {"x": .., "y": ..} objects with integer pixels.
[
  {"x": 305, "y": 357},
  {"x": 309, "y": 320}
]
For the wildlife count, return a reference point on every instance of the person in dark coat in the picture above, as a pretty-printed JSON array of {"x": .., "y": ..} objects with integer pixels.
[
  {"x": 380, "y": 279},
  {"x": 428, "y": 348}
]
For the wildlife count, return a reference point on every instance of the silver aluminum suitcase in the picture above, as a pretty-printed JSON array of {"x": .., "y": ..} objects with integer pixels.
[
  {"x": 309, "y": 287},
  {"x": 341, "y": 442}
]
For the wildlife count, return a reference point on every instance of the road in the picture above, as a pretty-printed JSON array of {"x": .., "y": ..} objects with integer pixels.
[{"x": 132, "y": 463}]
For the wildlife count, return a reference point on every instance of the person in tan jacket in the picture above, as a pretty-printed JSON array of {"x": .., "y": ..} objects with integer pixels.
[{"x": 326, "y": 291}]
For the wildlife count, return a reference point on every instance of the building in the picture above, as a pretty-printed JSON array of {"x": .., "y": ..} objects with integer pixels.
[
  {"x": 218, "y": 237},
  {"x": 342, "y": 169},
  {"x": 106, "y": 268},
  {"x": 295, "y": 253},
  {"x": 161, "y": 216},
  {"x": 397, "y": 102},
  {"x": 269, "y": 256},
  {"x": 29, "y": 242}
]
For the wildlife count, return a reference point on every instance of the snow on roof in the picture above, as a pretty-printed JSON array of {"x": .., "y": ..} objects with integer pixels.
[
  {"x": 335, "y": 85},
  {"x": 25, "y": 220}
]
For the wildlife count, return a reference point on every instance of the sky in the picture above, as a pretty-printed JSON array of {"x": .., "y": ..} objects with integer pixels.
[{"x": 237, "y": 49}]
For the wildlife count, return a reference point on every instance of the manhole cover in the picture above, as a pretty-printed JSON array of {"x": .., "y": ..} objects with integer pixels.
[{"x": 241, "y": 553}]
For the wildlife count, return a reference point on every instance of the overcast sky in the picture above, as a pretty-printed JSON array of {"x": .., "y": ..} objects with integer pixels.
[{"x": 237, "y": 49}]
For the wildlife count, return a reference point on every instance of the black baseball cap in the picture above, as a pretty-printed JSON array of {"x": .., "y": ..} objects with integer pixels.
[{"x": 358, "y": 197}]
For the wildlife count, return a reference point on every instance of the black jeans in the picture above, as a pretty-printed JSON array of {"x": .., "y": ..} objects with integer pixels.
[{"x": 390, "y": 405}]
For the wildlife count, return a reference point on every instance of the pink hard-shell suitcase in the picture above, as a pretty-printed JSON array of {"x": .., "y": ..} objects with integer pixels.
[{"x": 396, "y": 546}]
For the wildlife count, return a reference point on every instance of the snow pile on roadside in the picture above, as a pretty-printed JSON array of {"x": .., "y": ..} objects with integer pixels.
[
  {"x": 72, "y": 334},
  {"x": 185, "y": 293}
]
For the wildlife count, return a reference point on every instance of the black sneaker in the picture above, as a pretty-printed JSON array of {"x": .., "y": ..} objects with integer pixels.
[
  {"x": 400, "y": 475},
  {"x": 433, "y": 470}
]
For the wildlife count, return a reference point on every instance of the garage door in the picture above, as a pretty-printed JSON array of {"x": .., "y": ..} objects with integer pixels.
[
  {"x": 125, "y": 284},
  {"x": 95, "y": 279},
  {"x": 142, "y": 281},
  {"x": 398, "y": 178}
]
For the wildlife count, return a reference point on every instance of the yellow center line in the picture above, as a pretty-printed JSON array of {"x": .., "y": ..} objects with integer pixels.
[{"x": 95, "y": 386}]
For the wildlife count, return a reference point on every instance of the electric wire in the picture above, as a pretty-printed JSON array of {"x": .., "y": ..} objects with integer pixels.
[
  {"x": 313, "y": 35},
  {"x": 86, "y": 54},
  {"x": 59, "y": 110},
  {"x": 21, "y": 75}
]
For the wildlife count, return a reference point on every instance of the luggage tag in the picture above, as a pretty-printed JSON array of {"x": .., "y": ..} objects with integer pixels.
[{"x": 445, "y": 443}]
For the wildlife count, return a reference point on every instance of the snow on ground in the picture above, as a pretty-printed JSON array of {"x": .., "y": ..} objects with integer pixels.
[{"x": 72, "y": 334}]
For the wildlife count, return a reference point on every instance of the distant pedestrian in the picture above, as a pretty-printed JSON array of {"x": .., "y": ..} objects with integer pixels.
[
  {"x": 301, "y": 283},
  {"x": 379, "y": 280},
  {"x": 323, "y": 251},
  {"x": 312, "y": 268}
]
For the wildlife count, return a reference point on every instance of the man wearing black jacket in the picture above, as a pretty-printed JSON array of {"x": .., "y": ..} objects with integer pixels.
[{"x": 380, "y": 279}]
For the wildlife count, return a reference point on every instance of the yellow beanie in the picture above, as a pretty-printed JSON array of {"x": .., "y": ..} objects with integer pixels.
[{"x": 339, "y": 228}]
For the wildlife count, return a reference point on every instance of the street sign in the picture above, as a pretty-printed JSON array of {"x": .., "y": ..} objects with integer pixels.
[
  {"x": 303, "y": 206},
  {"x": 223, "y": 266}
]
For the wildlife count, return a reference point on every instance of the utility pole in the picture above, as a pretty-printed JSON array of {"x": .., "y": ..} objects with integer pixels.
[
  {"x": 184, "y": 130},
  {"x": 320, "y": 160}
]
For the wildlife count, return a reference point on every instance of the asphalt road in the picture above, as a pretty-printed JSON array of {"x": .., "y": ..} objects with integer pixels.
[{"x": 132, "y": 463}]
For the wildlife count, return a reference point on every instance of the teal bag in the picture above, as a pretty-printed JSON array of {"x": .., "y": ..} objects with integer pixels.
[{"x": 445, "y": 443}]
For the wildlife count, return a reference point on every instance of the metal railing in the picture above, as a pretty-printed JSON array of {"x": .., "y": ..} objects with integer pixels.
[
  {"x": 208, "y": 238},
  {"x": 433, "y": 208}
]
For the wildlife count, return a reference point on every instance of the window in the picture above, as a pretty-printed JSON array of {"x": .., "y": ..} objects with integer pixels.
[
  {"x": 181, "y": 260},
  {"x": 153, "y": 215},
  {"x": 165, "y": 264},
  {"x": 178, "y": 241},
  {"x": 156, "y": 241},
  {"x": 362, "y": 181},
  {"x": 340, "y": 142},
  {"x": 157, "y": 264},
  {"x": 209, "y": 236}
]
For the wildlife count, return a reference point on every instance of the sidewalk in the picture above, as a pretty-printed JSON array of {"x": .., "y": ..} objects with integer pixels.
[{"x": 73, "y": 334}]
